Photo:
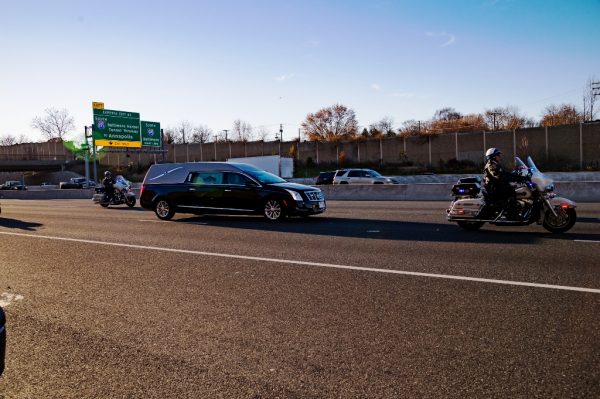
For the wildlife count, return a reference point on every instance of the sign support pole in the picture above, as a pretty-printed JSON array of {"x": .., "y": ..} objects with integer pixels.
[{"x": 87, "y": 157}]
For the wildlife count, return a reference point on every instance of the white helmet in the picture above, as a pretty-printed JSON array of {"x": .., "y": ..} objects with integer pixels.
[{"x": 492, "y": 152}]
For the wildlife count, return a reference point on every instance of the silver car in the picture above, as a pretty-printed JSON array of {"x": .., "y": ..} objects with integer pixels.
[{"x": 361, "y": 176}]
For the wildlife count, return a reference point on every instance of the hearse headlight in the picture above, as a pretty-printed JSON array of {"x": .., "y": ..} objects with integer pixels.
[{"x": 295, "y": 195}]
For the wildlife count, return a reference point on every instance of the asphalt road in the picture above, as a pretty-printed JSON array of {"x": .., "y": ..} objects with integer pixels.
[{"x": 369, "y": 300}]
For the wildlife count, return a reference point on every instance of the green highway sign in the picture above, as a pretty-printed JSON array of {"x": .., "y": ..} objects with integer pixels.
[
  {"x": 116, "y": 128},
  {"x": 150, "y": 134}
]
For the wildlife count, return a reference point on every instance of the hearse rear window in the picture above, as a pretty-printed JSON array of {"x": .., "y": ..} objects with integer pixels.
[{"x": 206, "y": 178}]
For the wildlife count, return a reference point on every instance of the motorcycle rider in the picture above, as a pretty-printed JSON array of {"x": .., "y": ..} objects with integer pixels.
[
  {"x": 109, "y": 189},
  {"x": 497, "y": 182}
]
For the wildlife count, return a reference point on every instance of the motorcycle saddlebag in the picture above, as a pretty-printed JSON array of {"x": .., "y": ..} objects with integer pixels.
[{"x": 465, "y": 208}]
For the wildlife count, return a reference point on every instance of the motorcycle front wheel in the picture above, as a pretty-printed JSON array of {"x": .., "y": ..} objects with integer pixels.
[
  {"x": 130, "y": 201},
  {"x": 471, "y": 226},
  {"x": 563, "y": 221}
]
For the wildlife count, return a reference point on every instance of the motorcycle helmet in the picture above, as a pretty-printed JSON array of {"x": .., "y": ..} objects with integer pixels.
[
  {"x": 491, "y": 153},
  {"x": 107, "y": 173}
]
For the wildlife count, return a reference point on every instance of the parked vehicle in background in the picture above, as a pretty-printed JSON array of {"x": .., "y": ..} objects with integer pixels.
[
  {"x": 77, "y": 183},
  {"x": 225, "y": 188},
  {"x": 325, "y": 177},
  {"x": 361, "y": 176},
  {"x": 2, "y": 339},
  {"x": 13, "y": 185}
]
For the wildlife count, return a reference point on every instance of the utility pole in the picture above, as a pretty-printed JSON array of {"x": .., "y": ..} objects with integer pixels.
[
  {"x": 494, "y": 116},
  {"x": 215, "y": 147},
  {"x": 280, "y": 137},
  {"x": 225, "y": 130},
  {"x": 595, "y": 92}
]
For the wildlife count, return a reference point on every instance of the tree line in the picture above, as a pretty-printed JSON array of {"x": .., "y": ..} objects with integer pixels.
[{"x": 338, "y": 122}]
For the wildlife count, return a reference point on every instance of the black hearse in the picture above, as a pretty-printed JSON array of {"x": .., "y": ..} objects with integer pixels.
[{"x": 225, "y": 188}]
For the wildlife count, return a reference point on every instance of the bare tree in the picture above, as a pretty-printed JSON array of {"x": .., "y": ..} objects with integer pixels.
[
  {"x": 202, "y": 134},
  {"x": 384, "y": 127},
  {"x": 565, "y": 114},
  {"x": 242, "y": 131},
  {"x": 169, "y": 135},
  {"x": 8, "y": 139},
  {"x": 505, "y": 118},
  {"x": 262, "y": 133},
  {"x": 331, "y": 124},
  {"x": 447, "y": 114},
  {"x": 414, "y": 128},
  {"x": 185, "y": 130},
  {"x": 56, "y": 123}
]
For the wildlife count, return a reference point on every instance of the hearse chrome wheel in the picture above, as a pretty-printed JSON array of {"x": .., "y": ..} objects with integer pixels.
[
  {"x": 273, "y": 210},
  {"x": 163, "y": 210}
]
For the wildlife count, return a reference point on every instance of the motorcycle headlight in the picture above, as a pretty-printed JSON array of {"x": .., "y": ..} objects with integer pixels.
[
  {"x": 295, "y": 195},
  {"x": 550, "y": 188}
]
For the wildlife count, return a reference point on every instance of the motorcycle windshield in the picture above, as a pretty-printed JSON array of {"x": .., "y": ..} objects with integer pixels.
[
  {"x": 532, "y": 165},
  {"x": 542, "y": 182},
  {"x": 121, "y": 180}
]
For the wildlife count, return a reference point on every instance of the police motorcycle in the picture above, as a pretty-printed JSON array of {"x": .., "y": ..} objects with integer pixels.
[
  {"x": 122, "y": 194},
  {"x": 536, "y": 202}
]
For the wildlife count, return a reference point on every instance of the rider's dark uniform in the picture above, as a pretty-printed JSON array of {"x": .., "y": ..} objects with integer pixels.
[
  {"x": 496, "y": 182},
  {"x": 109, "y": 188}
]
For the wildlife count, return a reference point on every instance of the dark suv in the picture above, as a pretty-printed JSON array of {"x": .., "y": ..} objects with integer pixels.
[
  {"x": 325, "y": 177},
  {"x": 225, "y": 188}
]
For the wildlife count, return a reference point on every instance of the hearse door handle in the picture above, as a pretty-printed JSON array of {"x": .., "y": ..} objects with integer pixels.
[
  {"x": 227, "y": 191},
  {"x": 192, "y": 189}
]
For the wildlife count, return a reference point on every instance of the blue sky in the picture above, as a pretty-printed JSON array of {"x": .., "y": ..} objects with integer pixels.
[{"x": 270, "y": 62}]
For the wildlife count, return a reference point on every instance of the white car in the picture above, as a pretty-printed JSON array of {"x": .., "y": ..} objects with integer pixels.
[{"x": 361, "y": 176}]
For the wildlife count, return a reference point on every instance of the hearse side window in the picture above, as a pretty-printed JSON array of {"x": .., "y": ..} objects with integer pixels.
[
  {"x": 206, "y": 178},
  {"x": 235, "y": 179}
]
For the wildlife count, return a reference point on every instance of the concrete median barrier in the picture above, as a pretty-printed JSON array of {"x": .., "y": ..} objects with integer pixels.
[
  {"x": 575, "y": 190},
  {"x": 33, "y": 194}
]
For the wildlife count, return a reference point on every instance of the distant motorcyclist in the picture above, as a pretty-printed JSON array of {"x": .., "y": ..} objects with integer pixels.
[
  {"x": 497, "y": 182},
  {"x": 109, "y": 186}
]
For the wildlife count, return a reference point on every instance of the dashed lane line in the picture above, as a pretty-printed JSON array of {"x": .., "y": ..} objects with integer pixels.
[{"x": 314, "y": 264}]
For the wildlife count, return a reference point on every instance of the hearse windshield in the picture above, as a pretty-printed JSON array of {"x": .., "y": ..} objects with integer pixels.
[{"x": 262, "y": 176}]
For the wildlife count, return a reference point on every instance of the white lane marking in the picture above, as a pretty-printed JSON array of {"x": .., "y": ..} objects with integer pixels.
[
  {"x": 592, "y": 241},
  {"x": 316, "y": 264},
  {"x": 7, "y": 298}
]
